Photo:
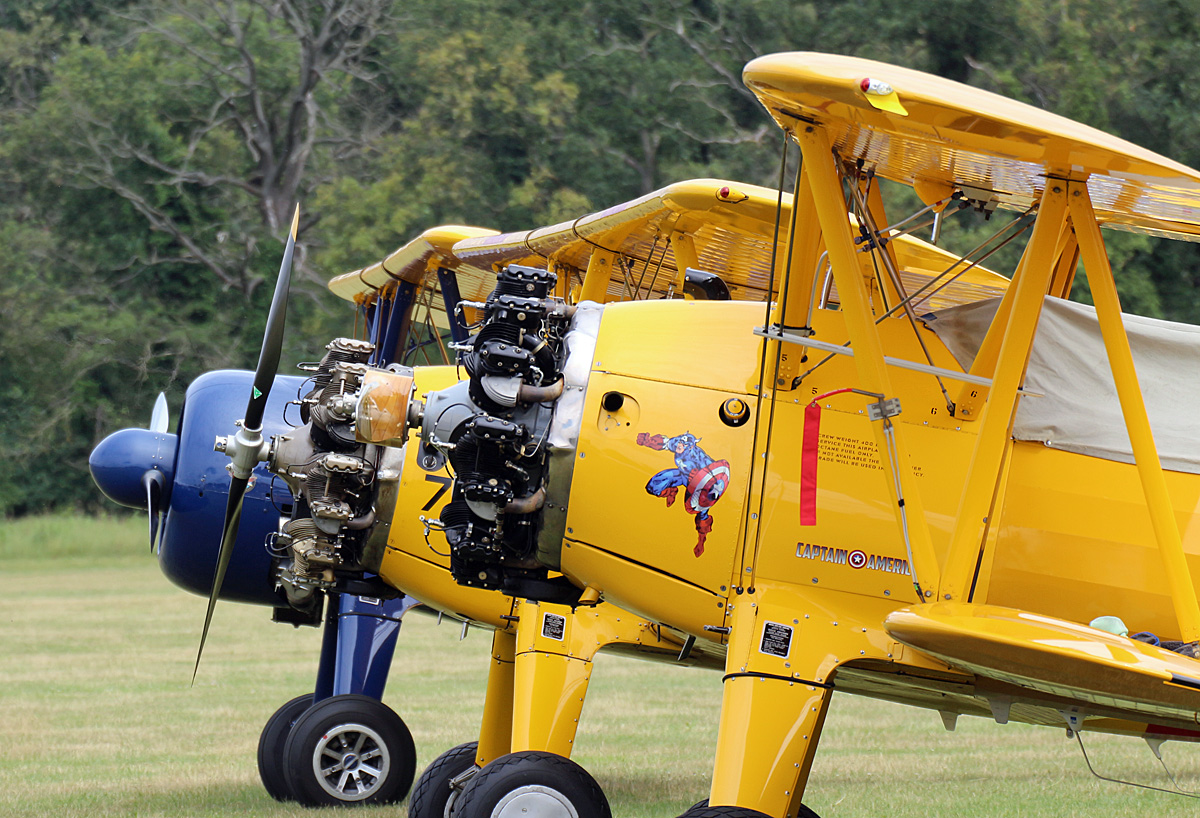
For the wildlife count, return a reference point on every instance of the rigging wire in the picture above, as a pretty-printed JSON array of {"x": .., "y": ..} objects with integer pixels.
[
  {"x": 1023, "y": 222},
  {"x": 657, "y": 267},
  {"x": 1018, "y": 225},
  {"x": 646, "y": 265},
  {"x": 866, "y": 221},
  {"x": 762, "y": 363},
  {"x": 783, "y": 305}
]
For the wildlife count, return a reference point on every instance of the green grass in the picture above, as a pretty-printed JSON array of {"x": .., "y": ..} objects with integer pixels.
[{"x": 98, "y": 719}]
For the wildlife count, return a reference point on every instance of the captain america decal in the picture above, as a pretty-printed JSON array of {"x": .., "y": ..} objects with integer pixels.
[{"x": 702, "y": 479}]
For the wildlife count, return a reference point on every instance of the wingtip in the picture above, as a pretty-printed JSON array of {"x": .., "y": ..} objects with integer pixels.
[{"x": 295, "y": 222}]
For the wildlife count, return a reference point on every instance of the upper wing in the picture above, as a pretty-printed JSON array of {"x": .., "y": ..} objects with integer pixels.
[
  {"x": 728, "y": 228},
  {"x": 946, "y": 133}
]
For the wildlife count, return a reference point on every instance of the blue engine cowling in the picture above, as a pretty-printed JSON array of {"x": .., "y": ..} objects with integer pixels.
[{"x": 195, "y": 486}]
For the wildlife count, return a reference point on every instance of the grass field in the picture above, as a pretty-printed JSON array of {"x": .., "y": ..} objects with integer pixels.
[{"x": 96, "y": 651}]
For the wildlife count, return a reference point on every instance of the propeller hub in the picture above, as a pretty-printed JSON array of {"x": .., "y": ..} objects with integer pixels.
[{"x": 120, "y": 463}]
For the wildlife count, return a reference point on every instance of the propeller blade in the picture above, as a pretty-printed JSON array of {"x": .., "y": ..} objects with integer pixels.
[
  {"x": 272, "y": 346},
  {"x": 245, "y": 454},
  {"x": 233, "y": 516},
  {"x": 159, "y": 419},
  {"x": 153, "y": 480}
]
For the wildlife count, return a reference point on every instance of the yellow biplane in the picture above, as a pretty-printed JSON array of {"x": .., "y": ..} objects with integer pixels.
[
  {"x": 785, "y": 436},
  {"x": 650, "y": 248},
  {"x": 875, "y": 494},
  {"x": 359, "y": 509}
]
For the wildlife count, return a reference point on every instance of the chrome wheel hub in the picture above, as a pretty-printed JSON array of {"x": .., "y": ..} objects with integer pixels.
[{"x": 351, "y": 762}]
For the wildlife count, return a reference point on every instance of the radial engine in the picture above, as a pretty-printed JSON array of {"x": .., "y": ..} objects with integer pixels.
[
  {"x": 343, "y": 466},
  {"x": 506, "y": 433}
]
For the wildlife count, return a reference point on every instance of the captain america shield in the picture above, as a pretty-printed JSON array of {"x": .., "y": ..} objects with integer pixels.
[{"x": 705, "y": 486}]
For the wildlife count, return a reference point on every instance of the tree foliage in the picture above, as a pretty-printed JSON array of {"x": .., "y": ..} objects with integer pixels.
[{"x": 151, "y": 152}]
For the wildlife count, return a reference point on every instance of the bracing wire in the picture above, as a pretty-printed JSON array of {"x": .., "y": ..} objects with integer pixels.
[
  {"x": 762, "y": 365},
  {"x": 1177, "y": 791}
]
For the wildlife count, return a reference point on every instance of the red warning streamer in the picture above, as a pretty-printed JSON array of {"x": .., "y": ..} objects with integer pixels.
[{"x": 810, "y": 447}]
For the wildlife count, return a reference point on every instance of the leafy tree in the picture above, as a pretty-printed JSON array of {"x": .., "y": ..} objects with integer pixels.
[
  {"x": 151, "y": 178},
  {"x": 151, "y": 152}
]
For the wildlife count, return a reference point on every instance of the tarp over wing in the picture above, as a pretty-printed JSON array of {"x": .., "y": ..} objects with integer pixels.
[{"x": 1075, "y": 406}]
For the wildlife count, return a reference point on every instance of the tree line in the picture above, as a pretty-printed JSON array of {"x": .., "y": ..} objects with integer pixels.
[{"x": 151, "y": 153}]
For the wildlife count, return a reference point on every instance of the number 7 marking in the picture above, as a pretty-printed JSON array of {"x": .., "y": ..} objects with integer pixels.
[{"x": 444, "y": 484}]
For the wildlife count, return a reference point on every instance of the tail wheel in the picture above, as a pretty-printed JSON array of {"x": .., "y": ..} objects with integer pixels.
[
  {"x": 271, "y": 744},
  {"x": 432, "y": 794},
  {"x": 349, "y": 751},
  {"x": 532, "y": 783}
]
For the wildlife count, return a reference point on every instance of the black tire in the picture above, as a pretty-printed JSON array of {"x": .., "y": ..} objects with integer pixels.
[
  {"x": 701, "y": 809},
  {"x": 271, "y": 744},
  {"x": 530, "y": 782},
  {"x": 349, "y": 751},
  {"x": 432, "y": 790}
]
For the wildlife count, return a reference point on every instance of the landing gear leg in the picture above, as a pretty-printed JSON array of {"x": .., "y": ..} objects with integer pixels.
[
  {"x": 495, "y": 734},
  {"x": 552, "y": 670},
  {"x": 773, "y": 707},
  {"x": 436, "y": 792},
  {"x": 551, "y": 657}
]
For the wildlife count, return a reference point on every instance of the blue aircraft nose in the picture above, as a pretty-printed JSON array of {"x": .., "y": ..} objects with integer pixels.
[{"x": 120, "y": 463}]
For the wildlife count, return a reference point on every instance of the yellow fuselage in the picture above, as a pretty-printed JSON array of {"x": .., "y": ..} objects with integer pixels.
[{"x": 1068, "y": 535}]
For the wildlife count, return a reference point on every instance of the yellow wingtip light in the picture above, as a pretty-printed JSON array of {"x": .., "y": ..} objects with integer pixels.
[
  {"x": 731, "y": 195},
  {"x": 882, "y": 96},
  {"x": 295, "y": 222}
]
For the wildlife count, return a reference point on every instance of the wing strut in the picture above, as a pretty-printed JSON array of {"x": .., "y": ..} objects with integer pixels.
[
  {"x": 872, "y": 373},
  {"x": 1025, "y": 295},
  {"x": 1133, "y": 407}
]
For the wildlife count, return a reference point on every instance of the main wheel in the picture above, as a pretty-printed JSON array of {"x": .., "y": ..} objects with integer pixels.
[
  {"x": 532, "y": 783},
  {"x": 347, "y": 751},
  {"x": 701, "y": 809},
  {"x": 271, "y": 744},
  {"x": 431, "y": 794}
]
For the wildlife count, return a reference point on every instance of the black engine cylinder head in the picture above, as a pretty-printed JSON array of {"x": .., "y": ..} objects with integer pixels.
[
  {"x": 499, "y": 358},
  {"x": 526, "y": 313},
  {"x": 498, "y": 431},
  {"x": 494, "y": 333},
  {"x": 527, "y": 282}
]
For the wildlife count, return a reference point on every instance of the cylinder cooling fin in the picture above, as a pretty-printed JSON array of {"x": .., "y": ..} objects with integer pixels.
[
  {"x": 494, "y": 431},
  {"x": 337, "y": 463}
]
